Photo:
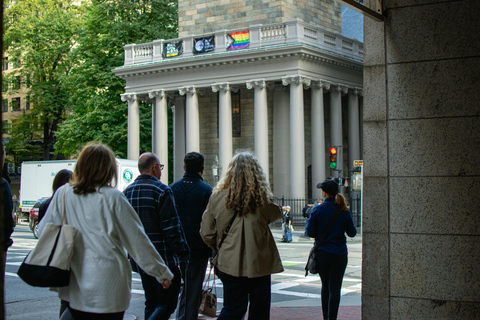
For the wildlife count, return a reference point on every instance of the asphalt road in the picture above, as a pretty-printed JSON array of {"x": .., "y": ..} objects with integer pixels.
[{"x": 289, "y": 289}]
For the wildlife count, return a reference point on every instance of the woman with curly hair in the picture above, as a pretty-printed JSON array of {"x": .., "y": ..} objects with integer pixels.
[{"x": 247, "y": 253}]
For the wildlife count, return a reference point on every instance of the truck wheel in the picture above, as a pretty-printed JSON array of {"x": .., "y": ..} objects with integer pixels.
[{"x": 35, "y": 229}]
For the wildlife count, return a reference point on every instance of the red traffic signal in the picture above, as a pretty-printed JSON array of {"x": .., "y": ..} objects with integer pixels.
[{"x": 333, "y": 150}]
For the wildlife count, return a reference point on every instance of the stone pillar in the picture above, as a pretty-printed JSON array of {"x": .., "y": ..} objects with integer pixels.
[
  {"x": 336, "y": 136},
  {"x": 353, "y": 127},
  {"x": 192, "y": 123},
  {"x": 318, "y": 136},
  {"x": 281, "y": 143},
  {"x": 260, "y": 123},
  {"x": 133, "y": 135},
  {"x": 225, "y": 142},
  {"x": 421, "y": 150},
  {"x": 178, "y": 137},
  {"x": 160, "y": 129},
  {"x": 297, "y": 134}
]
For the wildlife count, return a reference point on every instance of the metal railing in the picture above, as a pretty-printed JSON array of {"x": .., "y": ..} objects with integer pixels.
[{"x": 297, "y": 205}]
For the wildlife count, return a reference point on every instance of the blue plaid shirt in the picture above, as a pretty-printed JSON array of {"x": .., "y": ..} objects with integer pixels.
[{"x": 154, "y": 203}]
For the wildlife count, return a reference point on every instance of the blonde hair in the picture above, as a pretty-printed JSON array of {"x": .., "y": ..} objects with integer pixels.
[
  {"x": 96, "y": 167},
  {"x": 247, "y": 185}
]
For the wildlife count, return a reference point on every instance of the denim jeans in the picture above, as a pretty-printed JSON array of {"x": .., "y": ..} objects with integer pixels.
[
  {"x": 238, "y": 291},
  {"x": 160, "y": 303}
]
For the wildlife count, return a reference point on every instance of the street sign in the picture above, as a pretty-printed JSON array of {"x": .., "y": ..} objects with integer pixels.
[{"x": 357, "y": 163}]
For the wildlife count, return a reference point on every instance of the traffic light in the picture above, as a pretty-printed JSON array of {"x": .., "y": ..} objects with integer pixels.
[{"x": 333, "y": 158}]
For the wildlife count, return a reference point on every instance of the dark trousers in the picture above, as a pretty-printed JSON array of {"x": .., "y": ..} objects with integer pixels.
[
  {"x": 160, "y": 303},
  {"x": 238, "y": 291},
  {"x": 191, "y": 292},
  {"x": 331, "y": 268},
  {"x": 80, "y": 315}
]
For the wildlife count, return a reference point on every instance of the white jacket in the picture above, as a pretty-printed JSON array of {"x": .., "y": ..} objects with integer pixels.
[{"x": 107, "y": 225}]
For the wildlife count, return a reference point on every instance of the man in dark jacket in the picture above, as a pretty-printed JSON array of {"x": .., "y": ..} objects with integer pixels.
[
  {"x": 191, "y": 198},
  {"x": 154, "y": 203}
]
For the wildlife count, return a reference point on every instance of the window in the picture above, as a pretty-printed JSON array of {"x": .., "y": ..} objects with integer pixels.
[
  {"x": 4, "y": 85},
  {"x": 17, "y": 82},
  {"x": 5, "y": 63},
  {"x": 5, "y": 126},
  {"x": 27, "y": 103},
  {"x": 16, "y": 104},
  {"x": 16, "y": 64},
  {"x": 28, "y": 82},
  {"x": 5, "y": 105},
  {"x": 236, "y": 119}
]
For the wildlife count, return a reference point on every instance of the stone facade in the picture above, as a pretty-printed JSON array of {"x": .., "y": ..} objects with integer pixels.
[
  {"x": 201, "y": 16},
  {"x": 421, "y": 232}
]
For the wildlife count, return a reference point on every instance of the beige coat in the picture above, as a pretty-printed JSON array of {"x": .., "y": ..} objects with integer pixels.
[{"x": 249, "y": 249}]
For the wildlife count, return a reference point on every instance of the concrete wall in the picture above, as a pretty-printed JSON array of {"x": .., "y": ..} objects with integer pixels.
[
  {"x": 201, "y": 16},
  {"x": 421, "y": 227}
]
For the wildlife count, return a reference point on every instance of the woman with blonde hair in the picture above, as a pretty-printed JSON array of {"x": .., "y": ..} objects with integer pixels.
[
  {"x": 107, "y": 227},
  {"x": 235, "y": 224},
  {"x": 331, "y": 256}
]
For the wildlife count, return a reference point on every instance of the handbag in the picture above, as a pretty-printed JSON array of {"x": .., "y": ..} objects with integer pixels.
[
  {"x": 208, "y": 305},
  {"x": 48, "y": 264},
  {"x": 311, "y": 266}
]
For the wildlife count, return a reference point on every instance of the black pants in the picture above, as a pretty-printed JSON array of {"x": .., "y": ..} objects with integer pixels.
[
  {"x": 331, "y": 268},
  {"x": 80, "y": 315},
  {"x": 238, "y": 291}
]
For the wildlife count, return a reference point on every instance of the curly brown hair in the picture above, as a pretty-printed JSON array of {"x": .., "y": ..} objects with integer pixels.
[{"x": 247, "y": 185}]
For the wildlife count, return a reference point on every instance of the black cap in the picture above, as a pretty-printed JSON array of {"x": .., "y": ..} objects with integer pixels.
[
  {"x": 194, "y": 162},
  {"x": 329, "y": 186}
]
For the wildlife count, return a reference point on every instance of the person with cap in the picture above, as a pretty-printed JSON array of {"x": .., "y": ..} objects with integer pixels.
[
  {"x": 191, "y": 198},
  {"x": 331, "y": 256}
]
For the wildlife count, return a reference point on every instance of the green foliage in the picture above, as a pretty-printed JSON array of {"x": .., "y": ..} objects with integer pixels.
[
  {"x": 97, "y": 112},
  {"x": 39, "y": 36}
]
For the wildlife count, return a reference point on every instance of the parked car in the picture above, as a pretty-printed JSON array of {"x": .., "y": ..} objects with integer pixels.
[{"x": 33, "y": 216}]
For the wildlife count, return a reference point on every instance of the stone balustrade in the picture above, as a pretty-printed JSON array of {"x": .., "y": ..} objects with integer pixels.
[{"x": 292, "y": 32}]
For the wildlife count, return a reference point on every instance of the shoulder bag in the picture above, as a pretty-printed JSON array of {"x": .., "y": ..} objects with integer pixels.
[
  {"x": 208, "y": 305},
  {"x": 48, "y": 264},
  {"x": 311, "y": 265}
]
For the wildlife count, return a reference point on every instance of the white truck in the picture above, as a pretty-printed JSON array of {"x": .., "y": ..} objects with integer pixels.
[{"x": 37, "y": 178}]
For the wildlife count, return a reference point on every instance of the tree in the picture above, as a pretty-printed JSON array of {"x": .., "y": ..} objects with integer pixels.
[
  {"x": 39, "y": 36},
  {"x": 97, "y": 110}
]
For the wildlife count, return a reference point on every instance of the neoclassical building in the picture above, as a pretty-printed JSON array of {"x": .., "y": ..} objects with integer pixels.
[{"x": 287, "y": 90}]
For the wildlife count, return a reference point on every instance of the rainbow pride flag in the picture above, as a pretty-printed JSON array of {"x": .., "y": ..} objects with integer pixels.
[{"x": 238, "y": 40}]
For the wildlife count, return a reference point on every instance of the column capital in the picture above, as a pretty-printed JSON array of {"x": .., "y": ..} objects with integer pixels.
[
  {"x": 130, "y": 97},
  {"x": 357, "y": 91},
  {"x": 221, "y": 86},
  {"x": 160, "y": 93},
  {"x": 256, "y": 83},
  {"x": 319, "y": 84},
  {"x": 343, "y": 89},
  {"x": 184, "y": 90},
  {"x": 297, "y": 79}
]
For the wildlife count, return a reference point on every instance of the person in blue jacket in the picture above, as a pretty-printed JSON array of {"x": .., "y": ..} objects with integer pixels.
[{"x": 331, "y": 256}]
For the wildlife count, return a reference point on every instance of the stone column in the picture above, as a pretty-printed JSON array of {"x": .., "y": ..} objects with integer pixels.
[
  {"x": 297, "y": 134},
  {"x": 260, "y": 122},
  {"x": 336, "y": 136},
  {"x": 133, "y": 135},
  {"x": 160, "y": 129},
  {"x": 178, "y": 137},
  {"x": 318, "y": 135},
  {"x": 192, "y": 122},
  {"x": 353, "y": 127},
  {"x": 281, "y": 142},
  {"x": 225, "y": 142}
]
